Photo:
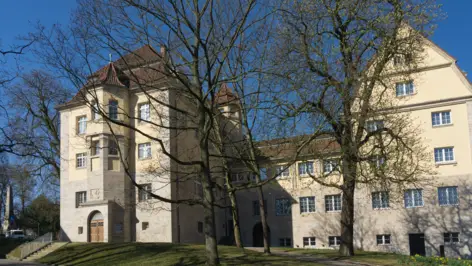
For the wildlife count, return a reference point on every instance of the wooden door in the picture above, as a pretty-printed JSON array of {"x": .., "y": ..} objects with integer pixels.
[{"x": 96, "y": 231}]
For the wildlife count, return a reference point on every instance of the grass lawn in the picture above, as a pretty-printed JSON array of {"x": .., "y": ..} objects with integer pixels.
[
  {"x": 377, "y": 258},
  {"x": 157, "y": 254}
]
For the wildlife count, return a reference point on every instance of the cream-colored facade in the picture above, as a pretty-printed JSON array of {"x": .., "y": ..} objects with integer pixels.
[{"x": 439, "y": 86}]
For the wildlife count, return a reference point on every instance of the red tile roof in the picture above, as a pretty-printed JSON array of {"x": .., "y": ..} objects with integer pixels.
[{"x": 225, "y": 95}]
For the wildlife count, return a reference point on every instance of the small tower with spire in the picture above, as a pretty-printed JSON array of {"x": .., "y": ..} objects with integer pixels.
[{"x": 229, "y": 105}]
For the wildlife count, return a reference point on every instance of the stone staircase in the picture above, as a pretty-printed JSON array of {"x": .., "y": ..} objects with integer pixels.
[{"x": 44, "y": 251}]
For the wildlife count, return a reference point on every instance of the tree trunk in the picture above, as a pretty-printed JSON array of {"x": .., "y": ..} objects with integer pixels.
[
  {"x": 265, "y": 227},
  {"x": 347, "y": 214},
  {"x": 235, "y": 214}
]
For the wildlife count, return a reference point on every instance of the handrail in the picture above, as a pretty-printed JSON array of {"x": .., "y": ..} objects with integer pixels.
[{"x": 35, "y": 245}]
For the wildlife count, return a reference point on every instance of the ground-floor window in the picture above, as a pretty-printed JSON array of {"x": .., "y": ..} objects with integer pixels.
[
  {"x": 334, "y": 241},
  {"x": 451, "y": 238},
  {"x": 309, "y": 241},
  {"x": 383, "y": 239},
  {"x": 285, "y": 242}
]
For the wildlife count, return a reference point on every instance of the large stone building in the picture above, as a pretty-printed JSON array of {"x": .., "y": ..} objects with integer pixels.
[{"x": 100, "y": 203}]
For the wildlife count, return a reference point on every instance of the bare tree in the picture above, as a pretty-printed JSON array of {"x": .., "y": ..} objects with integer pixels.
[{"x": 336, "y": 57}]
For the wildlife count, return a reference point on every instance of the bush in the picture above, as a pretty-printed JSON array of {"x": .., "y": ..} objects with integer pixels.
[{"x": 433, "y": 261}]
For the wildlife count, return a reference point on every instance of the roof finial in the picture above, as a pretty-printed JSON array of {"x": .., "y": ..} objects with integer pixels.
[{"x": 109, "y": 57}]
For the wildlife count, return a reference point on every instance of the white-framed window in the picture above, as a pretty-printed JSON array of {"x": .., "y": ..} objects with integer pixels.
[
  {"x": 413, "y": 198},
  {"x": 307, "y": 204},
  {"x": 81, "y": 160},
  {"x": 330, "y": 165},
  {"x": 309, "y": 241},
  {"x": 113, "y": 109},
  {"x": 282, "y": 171},
  {"x": 112, "y": 147},
  {"x": 405, "y": 88},
  {"x": 374, "y": 125},
  {"x": 380, "y": 200},
  {"x": 285, "y": 242},
  {"x": 256, "y": 211},
  {"x": 451, "y": 237},
  {"x": 144, "y": 150},
  {"x": 334, "y": 241},
  {"x": 305, "y": 168},
  {"x": 441, "y": 118},
  {"x": 283, "y": 207},
  {"x": 95, "y": 111},
  {"x": 143, "y": 194},
  {"x": 81, "y": 124},
  {"x": 448, "y": 196},
  {"x": 80, "y": 197},
  {"x": 333, "y": 203},
  {"x": 144, "y": 112},
  {"x": 444, "y": 155},
  {"x": 383, "y": 240},
  {"x": 95, "y": 147},
  {"x": 377, "y": 161}
]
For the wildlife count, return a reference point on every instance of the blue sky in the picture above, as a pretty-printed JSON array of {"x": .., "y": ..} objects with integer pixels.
[{"x": 454, "y": 33}]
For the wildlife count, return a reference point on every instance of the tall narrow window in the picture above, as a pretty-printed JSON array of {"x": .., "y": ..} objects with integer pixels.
[
  {"x": 380, "y": 200},
  {"x": 444, "y": 155},
  {"x": 307, "y": 204},
  {"x": 405, "y": 88},
  {"x": 95, "y": 111},
  {"x": 95, "y": 148},
  {"x": 81, "y": 160},
  {"x": 143, "y": 194},
  {"x": 144, "y": 150},
  {"x": 413, "y": 198},
  {"x": 333, "y": 203},
  {"x": 80, "y": 197},
  {"x": 144, "y": 112},
  {"x": 81, "y": 124},
  {"x": 441, "y": 118},
  {"x": 112, "y": 147},
  {"x": 113, "y": 109},
  {"x": 448, "y": 196},
  {"x": 200, "y": 227}
]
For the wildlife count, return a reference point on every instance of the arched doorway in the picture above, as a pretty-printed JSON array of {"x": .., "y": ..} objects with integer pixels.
[
  {"x": 258, "y": 235},
  {"x": 96, "y": 227}
]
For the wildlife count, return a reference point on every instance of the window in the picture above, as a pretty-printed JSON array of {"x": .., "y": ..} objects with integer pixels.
[
  {"x": 309, "y": 241},
  {"x": 405, "y": 88},
  {"x": 334, "y": 241},
  {"x": 263, "y": 173},
  {"x": 282, "y": 171},
  {"x": 402, "y": 59},
  {"x": 380, "y": 200},
  {"x": 256, "y": 208},
  {"x": 113, "y": 109},
  {"x": 143, "y": 193},
  {"x": 81, "y": 230},
  {"x": 333, "y": 203},
  {"x": 200, "y": 227},
  {"x": 238, "y": 177},
  {"x": 81, "y": 124},
  {"x": 330, "y": 165},
  {"x": 285, "y": 242},
  {"x": 80, "y": 197},
  {"x": 377, "y": 161},
  {"x": 441, "y": 118},
  {"x": 95, "y": 111},
  {"x": 383, "y": 240},
  {"x": 305, "y": 168},
  {"x": 112, "y": 147},
  {"x": 443, "y": 155},
  {"x": 307, "y": 204},
  {"x": 144, "y": 112},
  {"x": 95, "y": 149},
  {"x": 198, "y": 189},
  {"x": 144, "y": 225},
  {"x": 448, "y": 196},
  {"x": 282, "y": 207},
  {"x": 81, "y": 160},
  {"x": 144, "y": 150},
  {"x": 374, "y": 125},
  {"x": 414, "y": 198},
  {"x": 451, "y": 238}
]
